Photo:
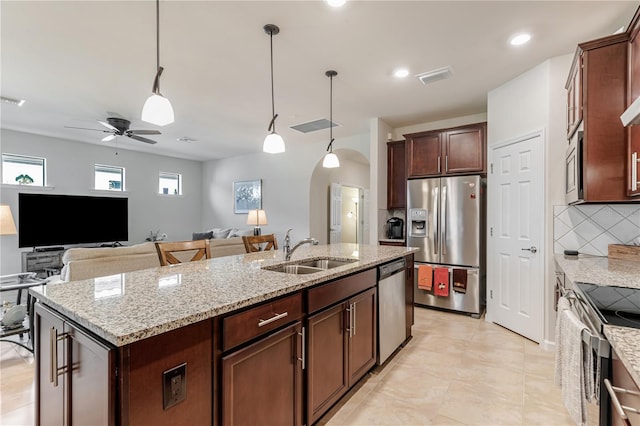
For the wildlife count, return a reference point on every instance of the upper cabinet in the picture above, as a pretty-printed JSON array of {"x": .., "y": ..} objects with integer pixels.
[
  {"x": 460, "y": 150},
  {"x": 596, "y": 97},
  {"x": 633, "y": 132},
  {"x": 396, "y": 175}
]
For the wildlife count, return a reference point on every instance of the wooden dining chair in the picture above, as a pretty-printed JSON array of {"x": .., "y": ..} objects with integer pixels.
[
  {"x": 170, "y": 252},
  {"x": 253, "y": 243}
]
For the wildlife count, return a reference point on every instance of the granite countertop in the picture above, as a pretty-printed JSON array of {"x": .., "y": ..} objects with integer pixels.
[
  {"x": 600, "y": 270},
  {"x": 626, "y": 342},
  {"x": 603, "y": 271},
  {"x": 128, "y": 307}
]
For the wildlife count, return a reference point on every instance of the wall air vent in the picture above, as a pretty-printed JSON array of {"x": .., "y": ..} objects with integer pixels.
[
  {"x": 435, "y": 75},
  {"x": 315, "y": 125}
]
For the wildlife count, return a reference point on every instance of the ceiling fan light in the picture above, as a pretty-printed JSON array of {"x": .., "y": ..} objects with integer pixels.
[
  {"x": 108, "y": 138},
  {"x": 330, "y": 161},
  {"x": 157, "y": 110},
  {"x": 273, "y": 144}
]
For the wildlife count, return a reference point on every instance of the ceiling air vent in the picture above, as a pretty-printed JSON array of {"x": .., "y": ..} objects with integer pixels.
[
  {"x": 435, "y": 75},
  {"x": 315, "y": 125}
]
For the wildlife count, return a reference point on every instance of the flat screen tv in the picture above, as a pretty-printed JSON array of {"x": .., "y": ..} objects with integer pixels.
[{"x": 56, "y": 220}]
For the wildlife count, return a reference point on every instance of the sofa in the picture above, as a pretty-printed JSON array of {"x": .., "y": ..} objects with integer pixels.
[{"x": 81, "y": 263}]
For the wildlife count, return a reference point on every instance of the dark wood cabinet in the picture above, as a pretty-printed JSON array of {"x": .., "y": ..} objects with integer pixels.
[
  {"x": 341, "y": 339},
  {"x": 459, "y": 150},
  {"x": 626, "y": 392},
  {"x": 396, "y": 175},
  {"x": 263, "y": 382},
  {"x": 597, "y": 86},
  {"x": 633, "y": 132},
  {"x": 401, "y": 243},
  {"x": 75, "y": 374}
]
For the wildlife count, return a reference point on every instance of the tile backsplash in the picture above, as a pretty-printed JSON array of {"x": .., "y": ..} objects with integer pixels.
[{"x": 590, "y": 228}]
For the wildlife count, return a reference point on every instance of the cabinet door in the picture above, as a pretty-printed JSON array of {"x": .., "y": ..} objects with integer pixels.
[
  {"x": 464, "y": 150},
  {"x": 362, "y": 334},
  {"x": 574, "y": 96},
  {"x": 92, "y": 390},
  {"x": 633, "y": 132},
  {"x": 263, "y": 382},
  {"x": 49, "y": 354},
  {"x": 327, "y": 375},
  {"x": 396, "y": 175},
  {"x": 623, "y": 382},
  {"x": 424, "y": 155}
]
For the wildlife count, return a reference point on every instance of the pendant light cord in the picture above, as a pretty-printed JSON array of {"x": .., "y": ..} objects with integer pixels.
[
  {"x": 331, "y": 112},
  {"x": 157, "y": 35},
  {"x": 272, "y": 124}
]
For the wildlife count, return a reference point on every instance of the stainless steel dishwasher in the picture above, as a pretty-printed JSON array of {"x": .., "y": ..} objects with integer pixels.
[{"x": 391, "y": 308}]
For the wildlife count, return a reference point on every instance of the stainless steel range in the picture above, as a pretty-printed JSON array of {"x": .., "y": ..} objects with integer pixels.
[{"x": 613, "y": 305}]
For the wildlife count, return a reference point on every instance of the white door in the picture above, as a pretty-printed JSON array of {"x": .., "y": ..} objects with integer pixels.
[
  {"x": 364, "y": 235},
  {"x": 515, "y": 252},
  {"x": 335, "y": 213}
]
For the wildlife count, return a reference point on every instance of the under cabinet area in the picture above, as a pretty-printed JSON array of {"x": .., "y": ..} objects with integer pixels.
[
  {"x": 341, "y": 339},
  {"x": 457, "y": 150},
  {"x": 75, "y": 374}
]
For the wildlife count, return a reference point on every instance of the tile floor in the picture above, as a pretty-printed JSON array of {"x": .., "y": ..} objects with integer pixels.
[{"x": 455, "y": 371}]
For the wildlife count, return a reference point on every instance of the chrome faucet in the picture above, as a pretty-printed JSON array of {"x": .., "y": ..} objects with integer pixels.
[{"x": 288, "y": 251}]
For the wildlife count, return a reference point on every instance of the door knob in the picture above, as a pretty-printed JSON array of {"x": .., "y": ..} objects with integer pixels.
[{"x": 533, "y": 249}]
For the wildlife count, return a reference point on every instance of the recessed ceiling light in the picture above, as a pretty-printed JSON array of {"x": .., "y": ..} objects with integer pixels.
[
  {"x": 520, "y": 39},
  {"x": 336, "y": 3},
  {"x": 401, "y": 73},
  {"x": 186, "y": 139},
  {"x": 16, "y": 102}
]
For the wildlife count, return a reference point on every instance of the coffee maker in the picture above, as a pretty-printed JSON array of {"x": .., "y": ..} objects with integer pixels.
[{"x": 395, "y": 228}]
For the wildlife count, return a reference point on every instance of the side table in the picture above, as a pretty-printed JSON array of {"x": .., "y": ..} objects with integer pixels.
[{"x": 20, "y": 282}]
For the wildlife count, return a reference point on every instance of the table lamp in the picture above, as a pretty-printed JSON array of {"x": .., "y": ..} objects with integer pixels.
[
  {"x": 7, "y": 225},
  {"x": 257, "y": 218}
]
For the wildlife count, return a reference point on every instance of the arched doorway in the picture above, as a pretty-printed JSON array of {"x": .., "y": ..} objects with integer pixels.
[{"x": 353, "y": 175}]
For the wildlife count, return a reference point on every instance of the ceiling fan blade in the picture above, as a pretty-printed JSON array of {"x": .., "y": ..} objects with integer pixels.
[
  {"x": 109, "y": 137},
  {"x": 107, "y": 125},
  {"x": 84, "y": 128},
  {"x": 141, "y": 139},
  {"x": 144, "y": 132}
]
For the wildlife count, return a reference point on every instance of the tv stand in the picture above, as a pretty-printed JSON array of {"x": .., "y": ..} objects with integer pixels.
[
  {"x": 44, "y": 263},
  {"x": 43, "y": 249}
]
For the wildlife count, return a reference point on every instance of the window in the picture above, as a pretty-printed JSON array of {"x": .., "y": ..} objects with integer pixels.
[
  {"x": 170, "y": 183},
  {"x": 109, "y": 178},
  {"x": 22, "y": 170}
]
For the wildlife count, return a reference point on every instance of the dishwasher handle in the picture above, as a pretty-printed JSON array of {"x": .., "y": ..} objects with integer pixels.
[{"x": 392, "y": 268}]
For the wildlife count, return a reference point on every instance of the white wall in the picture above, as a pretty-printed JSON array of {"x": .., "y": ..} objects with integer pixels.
[
  {"x": 70, "y": 168},
  {"x": 286, "y": 186},
  {"x": 533, "y": 101}
]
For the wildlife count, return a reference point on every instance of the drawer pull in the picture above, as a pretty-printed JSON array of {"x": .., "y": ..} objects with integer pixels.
[
  {"x": 276, "y": 317},
  {"x": 616, "y": 403},
  {"x": 54, "y": 370}
]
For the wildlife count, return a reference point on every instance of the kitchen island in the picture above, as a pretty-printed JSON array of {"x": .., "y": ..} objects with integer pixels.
[{"x": 192, "y": 343}]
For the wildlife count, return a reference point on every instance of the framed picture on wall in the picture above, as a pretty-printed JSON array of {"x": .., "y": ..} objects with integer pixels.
[{"x": 247, "y": 195}]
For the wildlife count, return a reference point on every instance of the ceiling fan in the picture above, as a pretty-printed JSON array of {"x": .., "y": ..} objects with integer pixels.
[{"x": 120, "y": 127}]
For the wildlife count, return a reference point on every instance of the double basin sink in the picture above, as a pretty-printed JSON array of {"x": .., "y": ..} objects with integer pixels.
[{"x": 310, "y": 266}]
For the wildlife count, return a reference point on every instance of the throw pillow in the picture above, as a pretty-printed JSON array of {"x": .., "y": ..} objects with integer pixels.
[
  {"x": 202, "y": 235},
  {"x": 222, "y": 233},
  {"x": 233, "y": 233}
]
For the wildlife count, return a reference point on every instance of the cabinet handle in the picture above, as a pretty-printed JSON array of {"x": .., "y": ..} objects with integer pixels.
[
  {"x": 446, "y": 163},
  {"x": 616, "y": 403},
  {"x": 634, "y": 171},
  {"x": 350, "y": 320},
  {"x": 276, "y": 317},
  {"x": 353, "y": 327},
  {"x": 54, "y": 371},
  {"x": 438, "y": 164},
  {"x": 304, "y": 352}
]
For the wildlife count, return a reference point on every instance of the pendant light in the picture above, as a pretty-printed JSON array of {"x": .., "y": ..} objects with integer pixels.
[
  {"x": 157, "y": 109},
  {"x": 273, "y": 143},
  {"x": 330, "y": 160}
]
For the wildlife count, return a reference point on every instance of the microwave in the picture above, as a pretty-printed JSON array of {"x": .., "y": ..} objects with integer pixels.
[{"x": 574, "y": 180}]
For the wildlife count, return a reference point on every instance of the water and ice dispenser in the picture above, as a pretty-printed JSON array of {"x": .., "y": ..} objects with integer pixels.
[{"x": 418, "y": 226}]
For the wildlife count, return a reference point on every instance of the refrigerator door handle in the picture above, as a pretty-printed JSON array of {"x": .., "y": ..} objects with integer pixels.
[
  {"x": 436, "y": 217},
  {"x": 444, "y": 219}
]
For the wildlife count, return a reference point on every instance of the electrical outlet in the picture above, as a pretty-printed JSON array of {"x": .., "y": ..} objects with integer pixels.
[{"x": 174, "y": 386}]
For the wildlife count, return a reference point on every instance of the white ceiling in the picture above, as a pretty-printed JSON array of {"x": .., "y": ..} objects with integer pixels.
[{"x": 76, "y": 62}]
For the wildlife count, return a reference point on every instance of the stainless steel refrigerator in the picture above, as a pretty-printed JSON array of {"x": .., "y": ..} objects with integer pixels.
[{"x": 446, "y": 220}]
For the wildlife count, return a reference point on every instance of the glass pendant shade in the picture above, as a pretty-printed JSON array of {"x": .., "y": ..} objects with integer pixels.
[
  {"x": 330, "y": 161},
  {"x": 157, "y": 110},
  {"x": 273, "y": 144}
]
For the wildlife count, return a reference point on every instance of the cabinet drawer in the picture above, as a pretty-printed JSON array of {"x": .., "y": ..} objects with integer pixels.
[
  {"x": 244, "y": 326},
  {"x": 333, "y": 292}
]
